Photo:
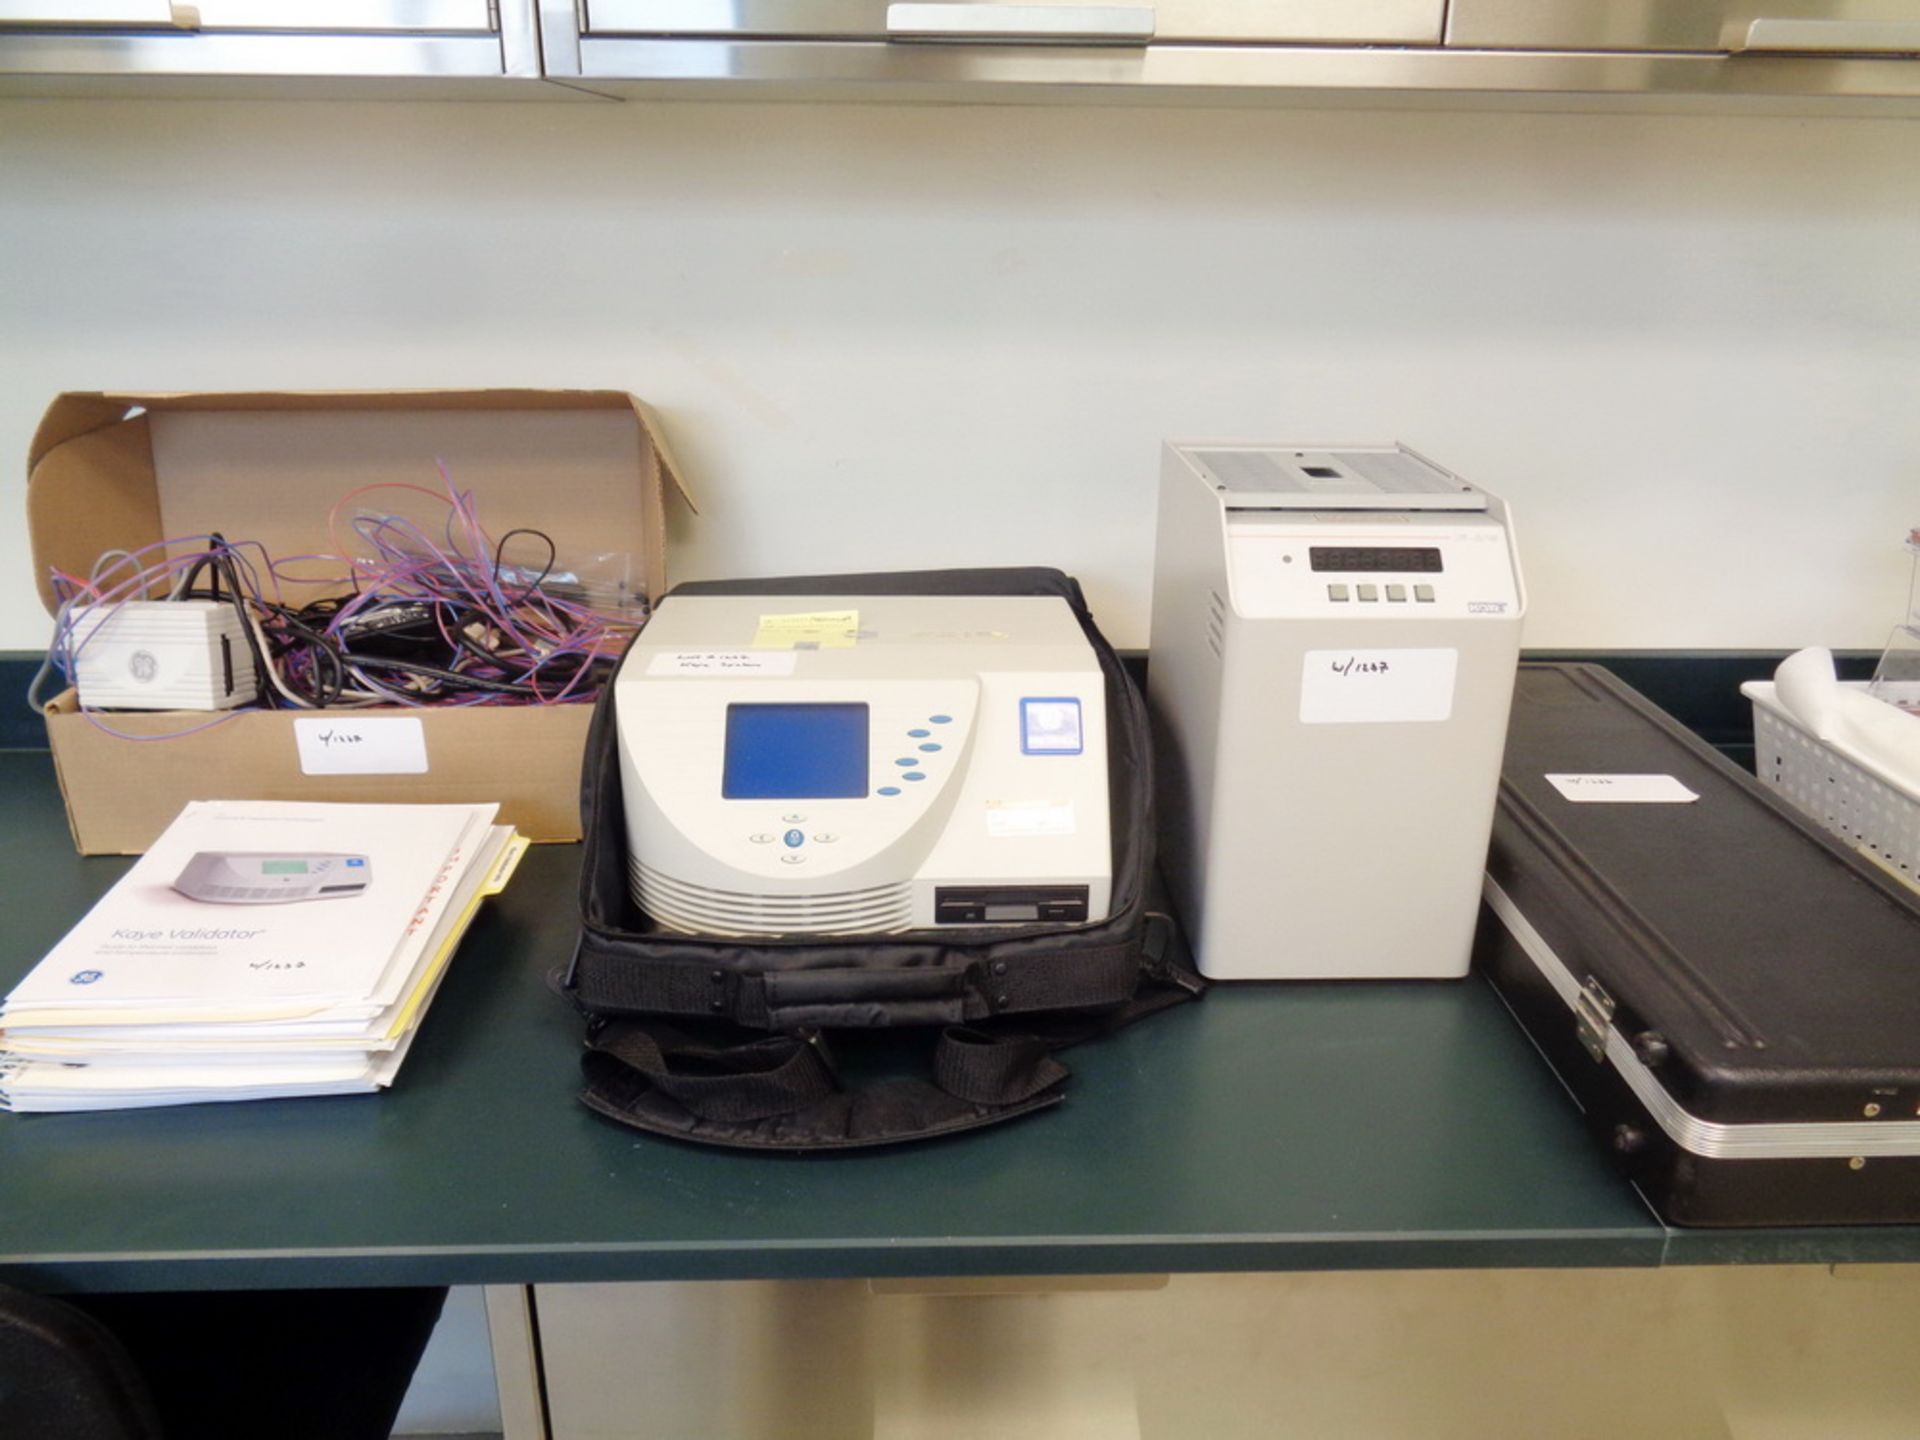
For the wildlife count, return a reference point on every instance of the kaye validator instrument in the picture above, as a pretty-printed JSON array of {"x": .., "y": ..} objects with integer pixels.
[
  {"x": 235, "y": 877},
  {"x": 1335, "y": 635},
  {"x": 880, "y": 763}
]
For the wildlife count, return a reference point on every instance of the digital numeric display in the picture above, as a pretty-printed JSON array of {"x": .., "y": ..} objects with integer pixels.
[{"x": 1376, "y": 559}]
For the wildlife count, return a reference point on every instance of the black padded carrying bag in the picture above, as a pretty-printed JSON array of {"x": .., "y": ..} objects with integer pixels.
[{"x": 834, "y": 1042}]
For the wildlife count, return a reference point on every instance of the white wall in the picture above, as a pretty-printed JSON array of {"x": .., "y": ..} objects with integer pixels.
[{"x": 1687, "y": 349}]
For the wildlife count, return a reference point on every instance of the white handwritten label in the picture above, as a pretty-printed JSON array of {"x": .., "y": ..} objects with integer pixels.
[
  {"x": 1029, "y": 817},
  {"x": 361, "y": 745},
  {"x": 1368, "y": 687},
  {"x": 723, "y": 662},
  {"x": 1622, "y": 789}
]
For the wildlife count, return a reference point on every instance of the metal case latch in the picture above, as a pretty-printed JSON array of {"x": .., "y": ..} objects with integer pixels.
[{"x": 1593, "y": 1017}]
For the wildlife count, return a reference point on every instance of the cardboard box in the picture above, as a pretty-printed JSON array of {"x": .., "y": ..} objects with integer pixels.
[{"x": 118, "y": 471}]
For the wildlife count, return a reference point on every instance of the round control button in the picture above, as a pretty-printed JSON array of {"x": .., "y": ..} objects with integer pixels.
[
  {"x": 826, "y": 837},
  {"x": 929, "y": 747},
  {"x": 793, "y": 839},
  {"x": 913, "y": 775},
  {"x": 761, "y": 839},
  {"x": 919, "y": 734},
  {"x": 793, "y": 859},
  {"x": 941, "y": 719},
  {"x": 889, "y": 790}
]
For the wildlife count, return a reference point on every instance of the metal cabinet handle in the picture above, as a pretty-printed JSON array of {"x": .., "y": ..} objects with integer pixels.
[
  {"x": 1877, "y": 37},
  {"x": 97, "y": 14},
  {"x": 1029, "y": 24}
]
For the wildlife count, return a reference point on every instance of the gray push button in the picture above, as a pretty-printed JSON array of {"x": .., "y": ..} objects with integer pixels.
[
  {"x": 1368, "y": 592},
  {"x": 1336, "y": 592},
  {"x": 1396, "y": 592},
  {"x": 1423, "y": 593}
]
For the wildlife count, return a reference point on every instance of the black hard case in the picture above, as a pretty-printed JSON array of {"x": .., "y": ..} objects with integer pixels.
[{"x": 1758, "y": 970}]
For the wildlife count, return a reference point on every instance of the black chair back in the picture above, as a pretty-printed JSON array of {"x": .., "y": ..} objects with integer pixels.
[{"x": 63, "y": 1375}]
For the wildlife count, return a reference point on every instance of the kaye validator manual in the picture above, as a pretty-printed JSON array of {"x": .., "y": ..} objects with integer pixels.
[
  {"x": 150, "y": 944},
  {"x": 173, "y": 990}
]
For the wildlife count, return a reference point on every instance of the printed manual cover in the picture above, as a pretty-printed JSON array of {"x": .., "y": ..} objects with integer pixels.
[{"x": 255, "y": 907}]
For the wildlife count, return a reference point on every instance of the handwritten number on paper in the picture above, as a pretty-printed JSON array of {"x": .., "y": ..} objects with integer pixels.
[{"x": 1354, "y": 665}]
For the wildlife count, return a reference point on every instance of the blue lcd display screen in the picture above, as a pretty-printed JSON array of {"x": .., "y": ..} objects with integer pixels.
[{"x": 795, "y": 752}]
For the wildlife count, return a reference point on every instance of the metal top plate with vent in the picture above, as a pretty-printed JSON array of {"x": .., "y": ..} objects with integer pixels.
[{"x": 1349, "y": 477}]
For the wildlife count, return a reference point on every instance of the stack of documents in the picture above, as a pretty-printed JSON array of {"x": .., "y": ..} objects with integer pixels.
[{"x": 259, "y": 949}]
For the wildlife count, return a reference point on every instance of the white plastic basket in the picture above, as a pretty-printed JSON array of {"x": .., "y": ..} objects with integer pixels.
[{"x": 1870, "y": 810}]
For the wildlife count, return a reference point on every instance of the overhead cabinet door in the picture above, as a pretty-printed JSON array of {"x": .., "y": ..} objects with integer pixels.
[
  {"x": 1724, "y": 27},
  {"x": 1059, "y": 22},
  {"x": 268, "y": 37}
]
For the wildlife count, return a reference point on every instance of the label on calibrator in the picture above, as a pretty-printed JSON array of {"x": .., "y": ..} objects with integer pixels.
[
  {"x": 1008, "y": 818},
  {"x": 1363, "y": 687}
]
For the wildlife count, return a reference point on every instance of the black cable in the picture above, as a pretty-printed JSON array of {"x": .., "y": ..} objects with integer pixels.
[
  {"x": 455, "y": 678},
  {"x": 429, "y": 646},
  {"x": 465, "y": 641},
  {"x": 220, "y": 560},
  {"x": 329, "y": 672},
  {"x": 553, "y": 555}
]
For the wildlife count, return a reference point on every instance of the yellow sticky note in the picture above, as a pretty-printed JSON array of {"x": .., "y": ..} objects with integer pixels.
[{"x": 812, "y": 630}]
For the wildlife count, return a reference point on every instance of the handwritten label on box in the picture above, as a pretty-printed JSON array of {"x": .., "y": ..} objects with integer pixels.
[
  {"x": 1622, "y": 789},
  {"x": 1367, "y": 687},
  {"x": 361, "y": 745}
]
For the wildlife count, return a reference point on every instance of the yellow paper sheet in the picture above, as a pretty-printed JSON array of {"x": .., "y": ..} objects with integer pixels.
[{"x": 811, "y": 630}]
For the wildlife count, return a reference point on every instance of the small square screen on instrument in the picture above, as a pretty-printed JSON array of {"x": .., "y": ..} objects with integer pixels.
[{"x": 795, "y": 752}]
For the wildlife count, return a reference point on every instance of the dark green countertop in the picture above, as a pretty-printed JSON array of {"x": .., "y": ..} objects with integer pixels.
[{"x": 1269, "y": 1127}]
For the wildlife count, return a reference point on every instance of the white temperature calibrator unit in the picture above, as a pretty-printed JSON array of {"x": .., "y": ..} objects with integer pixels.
[
  {"x": 236, "y": 877},
  {"x": 918, "y": 761},
  {"x": 1335, "y": 633}
]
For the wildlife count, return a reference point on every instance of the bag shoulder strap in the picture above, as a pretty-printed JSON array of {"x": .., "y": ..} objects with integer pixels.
[
  {"x": 611, "y": 978},
  {"x": 719, "y": 1085}
]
